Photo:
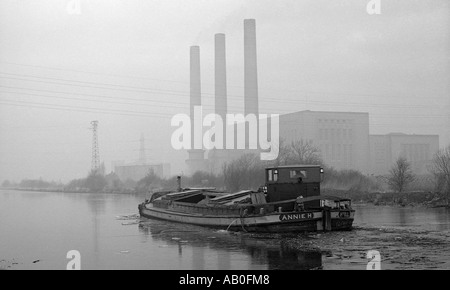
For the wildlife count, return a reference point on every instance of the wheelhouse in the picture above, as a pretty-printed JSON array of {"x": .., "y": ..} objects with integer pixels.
[{"x": 290, "y": 182}]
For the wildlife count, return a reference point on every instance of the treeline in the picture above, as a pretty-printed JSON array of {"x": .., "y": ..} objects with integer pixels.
[
  {"x": 248, "y": 172},
  {"x": 32, "y": 184},
  {"x": 93, "y": 182},
  {"x": 100, "y": 183}
]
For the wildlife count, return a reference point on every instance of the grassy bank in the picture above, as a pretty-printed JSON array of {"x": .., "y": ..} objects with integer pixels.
[{"x": 416, "y": 198}]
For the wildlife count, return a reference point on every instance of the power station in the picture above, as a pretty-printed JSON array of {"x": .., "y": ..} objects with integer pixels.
[
  {"x": 343, "y": 138},
  {"x": 196, "y": 160}
]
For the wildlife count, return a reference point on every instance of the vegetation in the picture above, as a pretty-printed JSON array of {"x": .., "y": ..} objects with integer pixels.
[
  {"x": 153, "y": 182},
  {"x": 440, "y": 168},
  {"x": 350, "y": 180},
  {"x": 7, "y": 184},
  {"x": 297, "y": 152},
  {"x": 94, "y": 182},
  {"x": 400, "y": 175},
  {"x": 149, "y": 182},
  {"x": 32, "y": 184},
  {"x": 247, "y": 172}
]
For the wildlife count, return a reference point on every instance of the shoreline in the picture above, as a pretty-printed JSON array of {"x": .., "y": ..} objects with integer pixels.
[
  {"x": 410, "y": 200},
  {"x": 72, "y": 191}
]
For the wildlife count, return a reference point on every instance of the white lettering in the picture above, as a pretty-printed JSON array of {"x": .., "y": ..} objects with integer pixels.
[
  {"x": 375, "y": 263},
  {"x": 374, "y": 7},
  {"x": 73, "y": 7},
  {"x": 216, "y": 131},
  {"x": 181, "y": 138},
  {"x": 75, "y": 263},
  {"x": 274, "y": 137},
  {"x": 214, "y": 137}
]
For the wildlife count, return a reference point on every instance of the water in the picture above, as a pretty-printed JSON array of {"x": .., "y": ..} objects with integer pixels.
[{"x": 37, "y": 229}]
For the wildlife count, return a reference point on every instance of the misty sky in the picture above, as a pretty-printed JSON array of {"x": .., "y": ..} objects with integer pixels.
[{"x": 125, "y": 63}]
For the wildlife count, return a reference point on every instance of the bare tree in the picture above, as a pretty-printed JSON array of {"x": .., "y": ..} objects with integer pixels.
[
  {"x": 400, "y": 175},
  {"x": 246, "y": 172},
  {"x": 283, "y": 153},
  {"x": 304, "y": 152},
  {"x": 297, "y": 152},
  {"x": 440, "y": 168}
]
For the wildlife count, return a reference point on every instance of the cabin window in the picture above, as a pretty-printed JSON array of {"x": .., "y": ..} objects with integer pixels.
[
  {"x": 269, "y": 175},
  {"x": 275, "y": 175},
  {"x": 298, "y": 174}
]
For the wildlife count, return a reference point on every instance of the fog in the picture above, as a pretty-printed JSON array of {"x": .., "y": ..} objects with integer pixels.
[{"x": 126, "y": 64}]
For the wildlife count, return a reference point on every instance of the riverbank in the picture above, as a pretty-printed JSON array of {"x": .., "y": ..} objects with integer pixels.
[
  {"x": 129, "y": 192},
  {"x": 405, "y": 199}
]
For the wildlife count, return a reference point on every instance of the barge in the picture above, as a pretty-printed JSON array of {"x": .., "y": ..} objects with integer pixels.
[{"x": 290, "y": 201}]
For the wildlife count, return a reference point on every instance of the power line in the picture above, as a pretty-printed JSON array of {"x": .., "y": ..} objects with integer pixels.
[
  {"x": 90, "y": 100},
  {"x": 186, "y": 82},
  {"x": 80, "y": 109},
  {"x": 178, "y": 107},
  {"x": 93, "y": 73},
  {"x": 92, "y": 95},
  {"x": 89, "y": 110},
  {"x": 89, "y": 85},
  {"x": 211, "y": 106},
  {"x": 185, "y": 94}
]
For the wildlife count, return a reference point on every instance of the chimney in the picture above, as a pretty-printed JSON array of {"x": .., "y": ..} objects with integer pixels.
[
  {"x": 250, "y": 68},
  {"x": 195, "y": 93},
  {"x": 220, "y": 78},
  {"x": 179, "y": 188},
  {"x": 250, "y": 80},
  {"x": 196, "y": 158}
]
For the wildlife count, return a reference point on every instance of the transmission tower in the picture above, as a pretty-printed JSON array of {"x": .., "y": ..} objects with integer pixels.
[
  {"x": 95, "y": 151},
  {"x": 142, "y": 157}
]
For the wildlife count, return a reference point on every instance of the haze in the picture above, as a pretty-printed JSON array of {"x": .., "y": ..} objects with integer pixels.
[{"x": 126, "y": 64}]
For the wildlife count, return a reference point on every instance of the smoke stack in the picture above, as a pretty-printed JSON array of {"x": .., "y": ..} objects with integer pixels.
[
  {"x": 195, "y": 94},
  {"x": 220, "y": 77},
  {"x": 179, "y": 189},
  {"x": 196, "y": 159},
  {"x": 250, "y": 68},
  {"x": 250, "y": 80}
]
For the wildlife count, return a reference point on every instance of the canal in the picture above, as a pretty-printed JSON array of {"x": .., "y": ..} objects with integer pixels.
[{"x": 38, "y": 229}]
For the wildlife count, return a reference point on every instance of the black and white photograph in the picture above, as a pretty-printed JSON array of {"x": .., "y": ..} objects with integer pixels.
[{"x": 224, "y": 140}]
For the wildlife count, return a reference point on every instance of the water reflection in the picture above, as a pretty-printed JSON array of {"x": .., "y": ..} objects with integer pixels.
[
  {"x": 59, "y": 222},
  {"x": 431, "y": 219},
  {"x": 442, "y": 216},
  {"x": 263, "y": 251}
]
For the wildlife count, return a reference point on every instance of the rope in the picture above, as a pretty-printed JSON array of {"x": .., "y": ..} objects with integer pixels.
[
  {"x": 231, "y": 224},
  {"x": 241, "y": 217},
  {"x": 242, "y": 225}
]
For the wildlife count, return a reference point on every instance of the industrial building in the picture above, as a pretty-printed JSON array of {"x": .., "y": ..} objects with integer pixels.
[
  {"x": 342, "y": 137},
  {"x": 138, "y": 171},
  {"x": 417, "y": 149},
  {"x": 196, "y": 157}
]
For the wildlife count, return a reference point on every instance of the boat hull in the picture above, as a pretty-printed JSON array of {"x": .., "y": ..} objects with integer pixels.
[{"x": 306, "y": 221}]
